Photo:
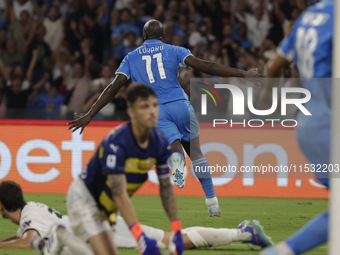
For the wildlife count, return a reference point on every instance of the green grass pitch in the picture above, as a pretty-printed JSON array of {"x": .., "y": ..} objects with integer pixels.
[{"x": 280, "y": 218}]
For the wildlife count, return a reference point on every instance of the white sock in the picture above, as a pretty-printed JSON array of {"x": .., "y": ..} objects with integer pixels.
[
  {"x": 283, "y": 249},
  {"x": 207, "y": 237},
  {"x": 242, "y": 236},
  {"x": 73, "y": 243},
  {"x": 211, "y": 201}
]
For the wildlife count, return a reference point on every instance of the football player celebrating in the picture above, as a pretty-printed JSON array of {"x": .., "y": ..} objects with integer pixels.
[{"x": 156, "y": 64}]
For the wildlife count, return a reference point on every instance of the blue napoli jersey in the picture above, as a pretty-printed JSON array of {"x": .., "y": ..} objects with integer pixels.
[
  {"x": 119, "y": 153},
  {"x": 156, "y": 64},
  {"x": 310, "y": 41},
  {"x": 310, "y": 45}
]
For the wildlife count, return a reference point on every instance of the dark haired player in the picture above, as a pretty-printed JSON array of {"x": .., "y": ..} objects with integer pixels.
[
  {"x": 34, "y": 219},
  {"x": 37, "y": 220},
  {"x": 117, "y": 169}
]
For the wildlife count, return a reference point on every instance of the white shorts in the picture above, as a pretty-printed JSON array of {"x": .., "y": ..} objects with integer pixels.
[
  {"x": 123, "y": 237},
  {"x": 85, "y": 219}
]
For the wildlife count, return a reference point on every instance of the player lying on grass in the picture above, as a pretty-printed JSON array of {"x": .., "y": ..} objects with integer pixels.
[{"x": 36, "y": 219}]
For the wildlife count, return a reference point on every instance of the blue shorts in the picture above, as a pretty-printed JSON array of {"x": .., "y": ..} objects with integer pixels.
[
  {"x": 313, "y": 132},
  {"x": 177, "y": 120}
]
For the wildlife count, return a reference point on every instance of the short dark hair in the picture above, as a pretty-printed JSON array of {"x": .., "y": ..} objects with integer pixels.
[
  {"x": 138, "y": 90},
  {"x": 126, "y": 10},
  {"x": 11, "y": 196}
]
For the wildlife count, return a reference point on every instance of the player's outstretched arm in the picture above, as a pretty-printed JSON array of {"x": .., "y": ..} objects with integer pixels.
[
  {"x": 274, "y": 70},
  {"x": 105, "y": 97},
  {"x": 121, "y": 197},
  {"x": 168, "y": 197},
  {"x": 218, "y": 69},
  {"x": 15, "y": 242},
  {"x": 169, "y": 203},
  {"x": 11, "y": 238}
]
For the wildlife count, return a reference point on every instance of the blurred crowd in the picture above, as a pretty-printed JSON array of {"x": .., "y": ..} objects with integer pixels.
[{"x": 57, "y": 56}]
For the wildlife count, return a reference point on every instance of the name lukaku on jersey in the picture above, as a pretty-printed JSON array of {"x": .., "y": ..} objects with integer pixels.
[{"x": 151, "y": 49}]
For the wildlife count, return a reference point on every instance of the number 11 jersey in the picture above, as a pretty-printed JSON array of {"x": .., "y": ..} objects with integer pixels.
[{"x": 156, "y": 64}]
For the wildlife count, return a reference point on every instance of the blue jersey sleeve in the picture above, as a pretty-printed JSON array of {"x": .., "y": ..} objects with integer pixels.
[
  {"x": 112, "y": 159},
  {"x": 286, "y": 48},
  {"x": 182, "y": 53},
  {"x": 124, "y": 67}
]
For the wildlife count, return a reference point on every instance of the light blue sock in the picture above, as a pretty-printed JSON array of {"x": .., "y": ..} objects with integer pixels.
[
  {"x": 201, "y": 170},
  {"x": 311, "y": 235}
]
